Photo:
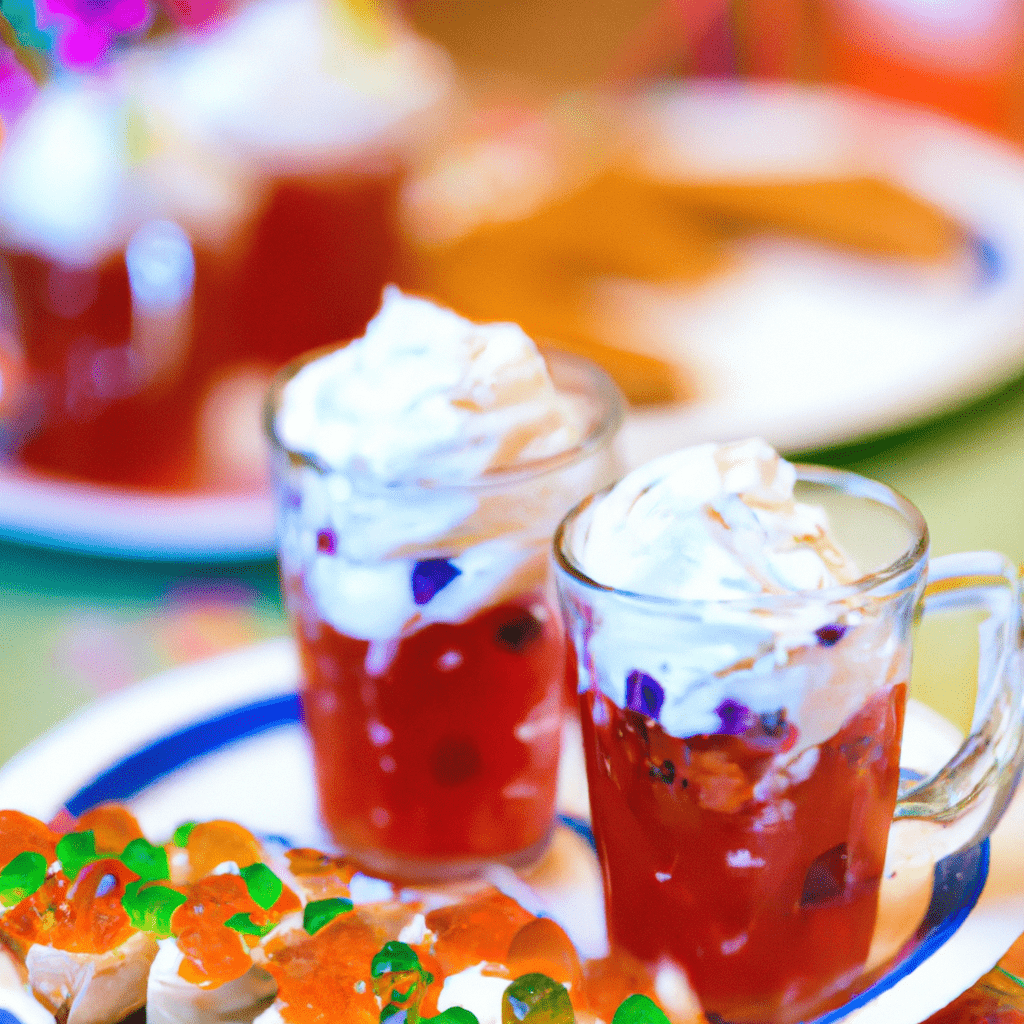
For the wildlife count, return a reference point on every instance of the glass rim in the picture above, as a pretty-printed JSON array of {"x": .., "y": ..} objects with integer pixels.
[
  {"x": 611, "y": 412},
  {"x": 912, "y": 558}
]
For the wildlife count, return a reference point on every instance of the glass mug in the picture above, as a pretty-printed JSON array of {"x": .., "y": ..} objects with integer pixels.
[
  {"x": 436, "y": 734},
  {"x": 750, "y": 851}
]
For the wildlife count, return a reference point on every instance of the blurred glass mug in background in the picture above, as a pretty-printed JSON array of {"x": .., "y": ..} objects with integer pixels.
[
  {"x": 179, "y": 224},
  {"x": 433, "y": 655},
  {"x": 743, "y": 753}
]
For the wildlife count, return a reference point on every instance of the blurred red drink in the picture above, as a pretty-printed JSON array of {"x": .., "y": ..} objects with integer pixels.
[
  {"x": 286, "y": 229},
  {"x": 310, "y": 272}
]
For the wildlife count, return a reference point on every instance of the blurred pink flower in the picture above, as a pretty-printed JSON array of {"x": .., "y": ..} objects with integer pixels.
[
  {"x": 86, "y": 29},
  {"x": 17, "y": 86}
]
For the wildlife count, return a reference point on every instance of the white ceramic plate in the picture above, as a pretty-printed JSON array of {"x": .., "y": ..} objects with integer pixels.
[
  {"x": 805, "y": 345},
  {"x": 220, "y": 739}
]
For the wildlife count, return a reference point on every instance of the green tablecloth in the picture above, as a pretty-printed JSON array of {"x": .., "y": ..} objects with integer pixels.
[{"x": 76, "y": 628}]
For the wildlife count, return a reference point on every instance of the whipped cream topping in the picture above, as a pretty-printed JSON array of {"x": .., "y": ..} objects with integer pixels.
[
  {"x": 427, "y": 395},
  {"x": 414, "y": 513},
  {"x": 716, "y": 528},
  {"x": 711, "y": 523}
]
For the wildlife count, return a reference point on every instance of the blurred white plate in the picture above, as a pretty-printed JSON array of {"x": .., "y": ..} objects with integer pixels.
[
  {"x": 804, "y": 344},
  {"x": 100, "y": 520},
  {"x": 221, "y": 739}
]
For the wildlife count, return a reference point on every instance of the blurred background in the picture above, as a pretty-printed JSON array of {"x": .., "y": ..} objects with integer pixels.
[{"x": 802, "y": 219}]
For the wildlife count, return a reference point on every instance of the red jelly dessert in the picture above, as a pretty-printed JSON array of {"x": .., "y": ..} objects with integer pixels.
[
  {"x": 420, "y": 472},
  {"x": 733, "y": 865},
  {"x": 451, "y": 751}
]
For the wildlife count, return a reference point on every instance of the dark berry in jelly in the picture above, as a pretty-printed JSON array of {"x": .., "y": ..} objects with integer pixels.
[
  {"x": 644, "y": 694},
  {"x": 519, "y": 633},
  {"x": 857, "y": 749},
  {"x": 736, "y": 718},
  {"x": 666, "y": 771},
  {"x": 431, "y": 576},
  {"x": 830, "y": 635},
  {"x": 326, "y": 542},
  {"x": 455, "y": 760},
  {"x": 826, "y": 877}
]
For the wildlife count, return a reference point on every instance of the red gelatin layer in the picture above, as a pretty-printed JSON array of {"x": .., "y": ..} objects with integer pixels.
[
  {"x": 450, "y": 751},
  {"x": 768, "y": 898}
]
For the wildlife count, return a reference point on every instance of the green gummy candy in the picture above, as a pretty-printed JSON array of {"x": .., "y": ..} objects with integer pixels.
[
  {"x": 393, "y": 958},
  {"x": 149, "y": 862},
  {"x": 536, "y": 999},
  {"x": 75, "y": 850},
  {"x": 454, "y": 1015},
  {"x": 264, "y": 886},
  {"x": 319, "y": 913},
  {"x": 151, "y": 909},
  {"x": 22, "y": 877},
  {"x": 247, "y": 926},
  {"x": 638, "y": 1009},
  {"x": 182, "y": 832}
]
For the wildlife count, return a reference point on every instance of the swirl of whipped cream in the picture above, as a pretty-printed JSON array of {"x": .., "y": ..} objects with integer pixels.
[
  {"x": 427, "y": 395},
  {"x": 716, "y": 531},
  {"x": 711, "y": 523},
  {"x": 424, "y": 438}
]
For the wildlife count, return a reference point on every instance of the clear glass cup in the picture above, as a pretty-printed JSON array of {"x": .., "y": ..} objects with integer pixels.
[
  {"x": 750, "y": 849},
  {"x": 433, "y": 654}
]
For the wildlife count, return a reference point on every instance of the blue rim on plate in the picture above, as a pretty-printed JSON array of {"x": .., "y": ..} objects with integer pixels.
[{"x": 958, "y": 879}]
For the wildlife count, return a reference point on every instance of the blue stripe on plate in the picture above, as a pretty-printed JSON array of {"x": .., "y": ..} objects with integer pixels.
[
  {"x": 134, "y": 773},
  {"x": 959, "y": 878},
  {"x": 6, "y": 1017},
  {"x": 991, "y": 260},
  {"x": 580, "y": 827}
]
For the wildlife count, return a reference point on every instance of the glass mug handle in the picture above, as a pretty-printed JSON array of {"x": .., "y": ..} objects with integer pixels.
[{"x": 972, "y": 790}]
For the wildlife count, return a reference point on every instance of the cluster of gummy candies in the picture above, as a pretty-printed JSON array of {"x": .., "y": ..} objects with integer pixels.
[
  {"x": 400, "y": 981},
  {"x": 76, "y": 909}
]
